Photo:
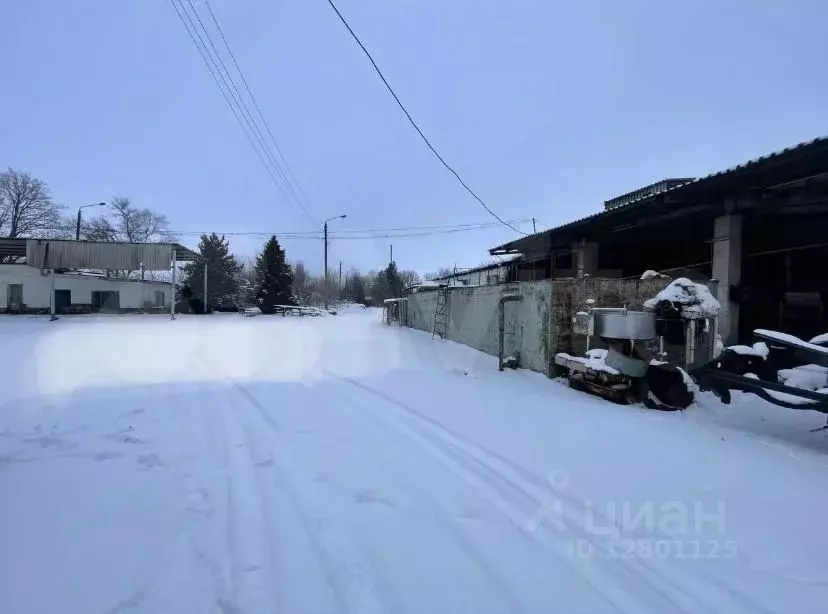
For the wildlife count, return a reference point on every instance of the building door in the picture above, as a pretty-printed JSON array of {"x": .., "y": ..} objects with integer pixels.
[
  {"x": 63, "y": 298},
  {"x": 14, "y": 297},
  {"x": 105, "y": 300},
  {"x": 512, "y": 329}
]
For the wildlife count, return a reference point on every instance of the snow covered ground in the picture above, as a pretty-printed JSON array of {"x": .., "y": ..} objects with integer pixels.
[{"x": 246, "y": 465}]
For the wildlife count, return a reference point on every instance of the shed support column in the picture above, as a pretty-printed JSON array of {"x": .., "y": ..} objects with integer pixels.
[
  {"x": 52, "y": 306},
  {"x": 727, "y": 269},
  {"x": 172, "y": 288},
  {"x": 586, "y": 258}
]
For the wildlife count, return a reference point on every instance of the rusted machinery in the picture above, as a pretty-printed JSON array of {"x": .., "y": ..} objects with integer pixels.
[{"x": 632, "y": 365}]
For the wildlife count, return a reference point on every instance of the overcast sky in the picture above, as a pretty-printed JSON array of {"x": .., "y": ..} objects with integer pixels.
[{"x": 546, "y": 108}]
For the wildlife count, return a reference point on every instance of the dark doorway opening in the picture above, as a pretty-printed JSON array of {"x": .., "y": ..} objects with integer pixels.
[
  {"x": 105, "y": 300},
  {"x": 63, "y": 298}
]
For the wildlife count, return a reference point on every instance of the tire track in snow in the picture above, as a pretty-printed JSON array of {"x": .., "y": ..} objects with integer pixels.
[
  {"x": 353, "y": 582},
  {"x": 512, "y": 600},
  {"x": 252, "y": 558},
  {"x": 485, "y": 468}
]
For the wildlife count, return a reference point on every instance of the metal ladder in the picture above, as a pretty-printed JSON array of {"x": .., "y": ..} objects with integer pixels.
[{"x": 441, "y": 315}]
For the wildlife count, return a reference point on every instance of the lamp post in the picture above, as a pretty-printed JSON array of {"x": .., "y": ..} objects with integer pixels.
[
  {"x": 77, "y": 225},
  {"x": 337, "y": 217}
]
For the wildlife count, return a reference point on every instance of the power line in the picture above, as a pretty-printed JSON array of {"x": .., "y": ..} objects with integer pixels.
[
  {"x": 349, "y": 234},
  {"x": 376, "y": 231},
  {"x": 288, "y": 170},
  {"x": 235, "y": 102},
  {"x": 248, "y": 116},
  {"x": 413, "y": 123}
]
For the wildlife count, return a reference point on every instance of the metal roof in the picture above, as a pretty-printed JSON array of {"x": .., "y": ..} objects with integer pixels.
[
  {"x": 707, "y": 179},
  {"x": 503, "y": 262},
  {"x": 69, "y": 254}
]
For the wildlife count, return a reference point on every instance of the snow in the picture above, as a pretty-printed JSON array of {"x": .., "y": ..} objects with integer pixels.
[
  {"x": 820, "y": 339},
  {"x": 807, "y": 377},
  {"x": 650, "y": 274},
  {"x": 791, "y": 339},
  {"x": 759, "y": 349},
  {"x": 693, "y": 300},
  {"x": 249, "y": 465},
  {"x": 595, "y": 360}
]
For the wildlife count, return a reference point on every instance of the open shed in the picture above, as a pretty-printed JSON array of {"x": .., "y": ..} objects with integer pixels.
[
  {"x": 758, "y": 228},
  {"x": 61, "y": 263}
]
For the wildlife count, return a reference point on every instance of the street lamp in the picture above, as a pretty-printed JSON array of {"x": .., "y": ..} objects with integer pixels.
[
  {"x": 337, "y": 217},
  {"x": 77, "y": 225}
]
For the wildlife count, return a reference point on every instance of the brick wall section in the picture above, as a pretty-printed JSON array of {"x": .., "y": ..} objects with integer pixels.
[{"x": 569, "y": 296}]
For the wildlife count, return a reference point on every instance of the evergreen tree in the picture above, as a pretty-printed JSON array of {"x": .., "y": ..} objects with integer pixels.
[
  {"x": 354, "y": 289},
  {"x": 222, "y": 276},
  {"x": 387, "y": 284},
  {"x": 274, "y": 278}
]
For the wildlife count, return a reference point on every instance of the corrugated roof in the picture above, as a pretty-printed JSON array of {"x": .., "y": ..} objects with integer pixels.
[
  {"x": 67, "y": 253},
  {"x": 497, "y": 264},
  {"x": 700, "y": 180}
]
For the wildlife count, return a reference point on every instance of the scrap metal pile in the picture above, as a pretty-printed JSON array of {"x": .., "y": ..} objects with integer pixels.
[
  {"x": 780, "y": 368},
  {"x": 634, "y": 366}
]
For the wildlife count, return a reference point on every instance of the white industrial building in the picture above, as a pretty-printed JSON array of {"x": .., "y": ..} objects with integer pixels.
[
  {"x": 56, "y": 276},
  {"x": 24, "y": 289}
]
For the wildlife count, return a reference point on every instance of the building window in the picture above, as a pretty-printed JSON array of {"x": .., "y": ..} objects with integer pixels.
[{"x": 159, "y": 298}]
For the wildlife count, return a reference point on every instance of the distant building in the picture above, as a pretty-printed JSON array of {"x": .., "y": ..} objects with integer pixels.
[
  {"x": 24, "y": 289},
  {"x": 484, "y": 275},
  {"x": 58, "y": 276}
]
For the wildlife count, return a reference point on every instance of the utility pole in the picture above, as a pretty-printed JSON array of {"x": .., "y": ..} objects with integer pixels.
[
  {"x": 391, "y": 258},
  {"x": 172, "y": 287},
  {"x": 534, "y": 230},
  {"x": 205, "y": 287},
  {"x": 325, "y": 240}
]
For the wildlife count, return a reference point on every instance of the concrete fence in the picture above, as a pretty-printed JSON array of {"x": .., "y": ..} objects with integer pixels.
[
  {"x": 473, "y": 319},
  {"x": 536, "y": 327}
]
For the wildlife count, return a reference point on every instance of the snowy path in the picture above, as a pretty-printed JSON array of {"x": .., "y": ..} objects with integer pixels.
[{"x": 256, "y": 465}]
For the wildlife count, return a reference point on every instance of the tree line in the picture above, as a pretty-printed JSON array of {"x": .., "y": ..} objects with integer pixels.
[
  {"x": 28, "y": 210},
  {"x": 270, "y": 280}
]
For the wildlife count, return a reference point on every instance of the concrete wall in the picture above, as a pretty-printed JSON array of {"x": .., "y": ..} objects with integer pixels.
[
  {"x": 37, "y": 288},
  {"x": 421, "y": 306},
  {"x": 473, "y": 319}
]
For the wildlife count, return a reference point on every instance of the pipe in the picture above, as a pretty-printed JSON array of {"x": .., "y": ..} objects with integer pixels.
[{"x": 501, "y": 325}]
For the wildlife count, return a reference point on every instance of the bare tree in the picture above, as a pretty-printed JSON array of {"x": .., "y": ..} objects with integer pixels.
[
  {"x": 100, "y": 229},
  {"x": 441, "y": 272},
  {"x": 128, "y": 223},
  {"x": 303, "y": 283},
  {"x": 26, "y": 206},
  {"x": 409, "y": 278}
]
